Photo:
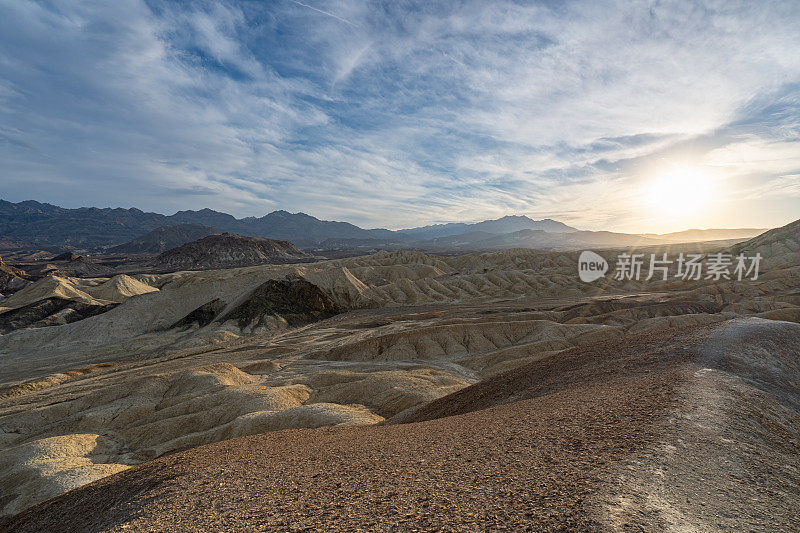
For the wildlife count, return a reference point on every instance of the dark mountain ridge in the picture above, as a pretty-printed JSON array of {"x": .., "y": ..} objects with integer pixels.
[
  {"x": 164, "y": 238},
  {"x": 90, "y": 227},
  {"x": 97, "y": 230},
  {"x": 228, "y": 250},
  {"x": 506, "y": 224},
  {"x": 93, "y": 228}
]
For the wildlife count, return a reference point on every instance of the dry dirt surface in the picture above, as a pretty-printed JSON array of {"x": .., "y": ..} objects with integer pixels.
[
  {"x": 105, "y": 375},
  {"x": 694, "y": 429}
]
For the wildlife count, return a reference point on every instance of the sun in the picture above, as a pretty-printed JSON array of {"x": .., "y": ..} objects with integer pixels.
[{"x": 679, "y": 192}]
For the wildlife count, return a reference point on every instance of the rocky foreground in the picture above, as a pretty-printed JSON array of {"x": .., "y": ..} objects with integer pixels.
[
  {"x": 506, "y": 353},
  {"x": 697, "y": 428}
]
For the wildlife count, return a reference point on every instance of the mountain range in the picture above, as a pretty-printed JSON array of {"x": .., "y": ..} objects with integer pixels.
[
  {"x": 47, "y": 224},
  {"x": 89, "y": 227},
  {"x": 506, "y": 224},
  {"x": 136, "y": 231},
  {"x": 164, "y": 238}
]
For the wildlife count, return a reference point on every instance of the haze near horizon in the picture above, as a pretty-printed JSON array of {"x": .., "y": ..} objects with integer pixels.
[{"x": 636, "y": 117}]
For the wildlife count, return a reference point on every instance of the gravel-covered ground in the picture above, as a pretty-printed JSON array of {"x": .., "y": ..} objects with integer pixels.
[{"x": 640, "y": 433}]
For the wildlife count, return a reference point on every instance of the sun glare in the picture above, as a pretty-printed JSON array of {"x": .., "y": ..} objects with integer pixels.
[{"x": 679, "y": 192}]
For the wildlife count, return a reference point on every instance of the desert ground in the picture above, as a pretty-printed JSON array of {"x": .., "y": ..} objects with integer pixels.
[{"x": 405, "y": 390}]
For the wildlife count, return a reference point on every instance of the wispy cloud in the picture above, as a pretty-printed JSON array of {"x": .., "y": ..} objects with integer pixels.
[
  {"x": 396, "y": 114},
  {"x": 326, "y": 13}
]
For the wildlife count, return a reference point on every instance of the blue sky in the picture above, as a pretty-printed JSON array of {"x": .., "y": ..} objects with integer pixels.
[{"x": 630, "y": 116}]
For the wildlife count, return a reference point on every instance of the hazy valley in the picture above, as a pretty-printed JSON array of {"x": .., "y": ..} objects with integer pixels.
[{"x": 102, "y": 374}]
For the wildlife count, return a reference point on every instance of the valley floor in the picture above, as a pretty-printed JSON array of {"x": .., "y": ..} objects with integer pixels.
[
  {"x": 669, "y": 440},
  {"x": 404, "y": 390}
]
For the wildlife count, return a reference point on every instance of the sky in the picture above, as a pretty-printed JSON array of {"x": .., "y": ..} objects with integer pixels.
[{"x": 636, "y": 116}]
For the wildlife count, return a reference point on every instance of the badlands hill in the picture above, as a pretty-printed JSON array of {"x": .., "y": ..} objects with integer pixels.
[
  {"x": 67, "y": 264},
  {"x": 540, "y": 239},
  {"x": 228, "y": 251},
  {"x": 680, "y": 429},
  {"x": 12, "y": 279},
  {"x": 56, "y": 300},
  {"x": 164, "y": 238},
  {"x": 596, "y": 388},
  {"x": 779, "y": 246}
]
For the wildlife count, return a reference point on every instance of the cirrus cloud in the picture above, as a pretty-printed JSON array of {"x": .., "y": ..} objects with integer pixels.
[{"x": 399, "y": 114}]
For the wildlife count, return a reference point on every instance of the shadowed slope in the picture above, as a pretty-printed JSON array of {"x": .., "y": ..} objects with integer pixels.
[
  {"x": 228, "y": 251},
  {"x": 780, "y": 247},
  {"x": 164, "y": 238},
  {"x": 583, "y": 440}
]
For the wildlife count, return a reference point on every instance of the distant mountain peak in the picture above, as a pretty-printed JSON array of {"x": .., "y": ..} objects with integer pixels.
[
  {"x": 90, "y": 227},
  {"x": 164, "y": 238},
  {"x": 229, "y": 250}
]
